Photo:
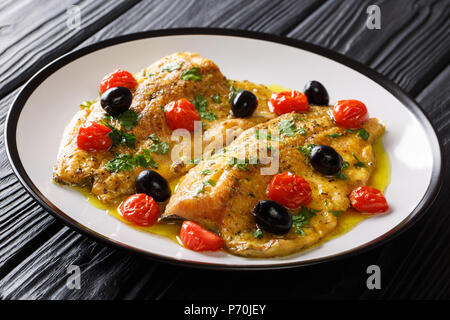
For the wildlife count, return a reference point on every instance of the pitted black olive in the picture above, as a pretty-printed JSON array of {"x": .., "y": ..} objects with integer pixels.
[
  {"x": 316, "y": 93},
  {"x": 272, "y": 217},
  {"x": 325, "y": 160},
  {"x": 244, "y": 104},
  {"x": 153, "y": 184},
  {"x": 116, "y": 100}
]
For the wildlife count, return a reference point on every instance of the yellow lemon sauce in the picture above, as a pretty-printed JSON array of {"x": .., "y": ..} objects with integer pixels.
[{"x": 346, "y": 221}]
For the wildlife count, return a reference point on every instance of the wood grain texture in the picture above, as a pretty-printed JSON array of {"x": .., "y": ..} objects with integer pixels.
[
  {"x": 37, "y": 250},
  {"x": 34, "y": 32},
  {"x": 412, "y": 46}
]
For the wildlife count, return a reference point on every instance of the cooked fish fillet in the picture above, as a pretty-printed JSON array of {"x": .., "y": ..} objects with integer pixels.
[
  {"x": 224, "y": 197},
  {"x": 157, "y": 87}
]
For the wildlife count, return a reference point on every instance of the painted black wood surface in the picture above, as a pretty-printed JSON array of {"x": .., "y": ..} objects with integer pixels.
[{"x": 412, "y": 48}]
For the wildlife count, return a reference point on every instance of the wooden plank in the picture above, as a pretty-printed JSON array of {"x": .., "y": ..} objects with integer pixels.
[
  {"x": 266, "y": 16},
  {"x": 412, "y": 46},
  {"x": 35, "y": 32}
]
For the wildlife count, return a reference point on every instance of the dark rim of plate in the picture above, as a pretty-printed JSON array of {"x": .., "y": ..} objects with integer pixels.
[{"x": 19, "y": 102}]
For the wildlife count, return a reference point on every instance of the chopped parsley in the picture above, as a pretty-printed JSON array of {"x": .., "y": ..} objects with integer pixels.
[
  {"x": 341, "y": 175},
  {"x": 192, "y": 74},
  {"x": 193, "y": 161},
  {"x": 127, "y": 162},
  {"x": 336, "y": 213},
  {"x": 119, "y": 137},
  {"x": 233, "y": 92},
  {"x": 287, "y": 128},
  {"x": 158, "y": 146},
  {"x": 201, "y": 189},
  {"x": 242, "y": 164},
  {"x": 258, "y": 234},
  {"x": 201, "y": 106},
  {"x": 306, "y": 150},
  {"x": 334, "y": 135},
  {"x": 301, "y": 220},
  {"x": 205, "y": 172},
  {"x": 359, "y": 163},
  {"x": 171, "y": 67},
  {"x": 363, "y": 134},
  {"x": 250, "y": 194},
  {"x": 127, "y": 119},
  {"x": 216, "y": 98},
  {"x": 87, "y": 103}
]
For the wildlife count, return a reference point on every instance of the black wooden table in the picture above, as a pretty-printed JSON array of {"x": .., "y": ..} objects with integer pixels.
[{"x": 412, "y": 48}]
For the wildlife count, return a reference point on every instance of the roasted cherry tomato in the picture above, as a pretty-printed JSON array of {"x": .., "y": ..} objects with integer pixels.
[
  {"x": 119, "y": 78},
  {"x": 181, "y": 114},
  {"x": 140, "y": 209},
  {"x": 288, "y": 101},
  {"x": 368, "y": 199},
  {"x": 350, "y": 113},
  {"x": 93, "y": 137},
  {"x": 289, "y": 189},
  {"x": 197, "y": 238}
]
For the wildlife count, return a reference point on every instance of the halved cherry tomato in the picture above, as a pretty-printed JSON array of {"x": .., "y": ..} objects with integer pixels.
[
  {"x": 197, "y": 238},
  {"x": 289, "y": 190},
  {"x": 119, "y": 78},
  {"x": 93, "y": 137},
  {"x": 350, "y": 113},
  {"x": 181, "y": 114},
  {"x": 369, "y": 200},
  {"x": 140, "y": 209},
  {"x": 288, "y": 101}
]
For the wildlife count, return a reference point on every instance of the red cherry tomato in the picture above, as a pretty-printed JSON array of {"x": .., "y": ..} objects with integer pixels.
[
  {"x": 93, "y": 137},
  {"x": 288, "y": 101},
  {"x": 181, "y": 114},
  {"x": 140, "y": 209},
  {"x": 289, "y": 190},
  {"x": 368, "y": 199},
  {"x": 197, "y": 238},
  {"x": 350, "y": 113},
  {"x": 119, "y": 78}
]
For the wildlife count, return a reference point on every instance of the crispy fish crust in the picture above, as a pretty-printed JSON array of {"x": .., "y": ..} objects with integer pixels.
[
  {"x": 156, "y": 88},
  {"x": 226, "y": 205}
]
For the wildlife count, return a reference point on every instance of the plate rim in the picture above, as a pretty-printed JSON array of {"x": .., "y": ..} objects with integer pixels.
[{"x": 409, "y": 102}]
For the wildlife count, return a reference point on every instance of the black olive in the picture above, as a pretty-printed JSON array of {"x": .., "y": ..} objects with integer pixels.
[
  {"x": 316, "y": 93},
  {"x": 272, "y": 217},
  {"x": 244, "y": 104},
  {"x": 153, "y": 184},
  {"x": 326, "y": 160},
  {"x": 116, "y": 100}
]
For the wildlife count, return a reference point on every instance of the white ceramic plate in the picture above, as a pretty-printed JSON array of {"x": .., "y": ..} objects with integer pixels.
[{"x": 49, "y": 100}]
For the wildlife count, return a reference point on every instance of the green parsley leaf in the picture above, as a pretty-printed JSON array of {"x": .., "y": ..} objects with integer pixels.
[
  {"x": 306, "y": 150},
  {"x": 204, "y": 184},
  {"x": 192, "y": 74},
  {"x": 258, "y": 234},
  {"x": 205, "y": 172},
  {"x": 87, "y": 103},
  {"x": 127, "y": 162},
  {"x": 287, "y": 128},
  {"x": 128, "y": 119},
  {"x": 301, "y": 220},
  {"x": 336, "y": 213},
  {"x": 334, "y": 135},
  {"x": 171, "y": 67},
  {"x": 233, "y": 92},
  {"x": 158, "y": 146},
  {"x": 201, "y": 106},
  {"x": 359, "y": 163},
  {"x": 341, "y": 175},
  {"x": 363, "y": 134},
  {"x": 119, "y": 137},
  {"x": 216, "y": 98},
  {"x": 242, "y": 164}
]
